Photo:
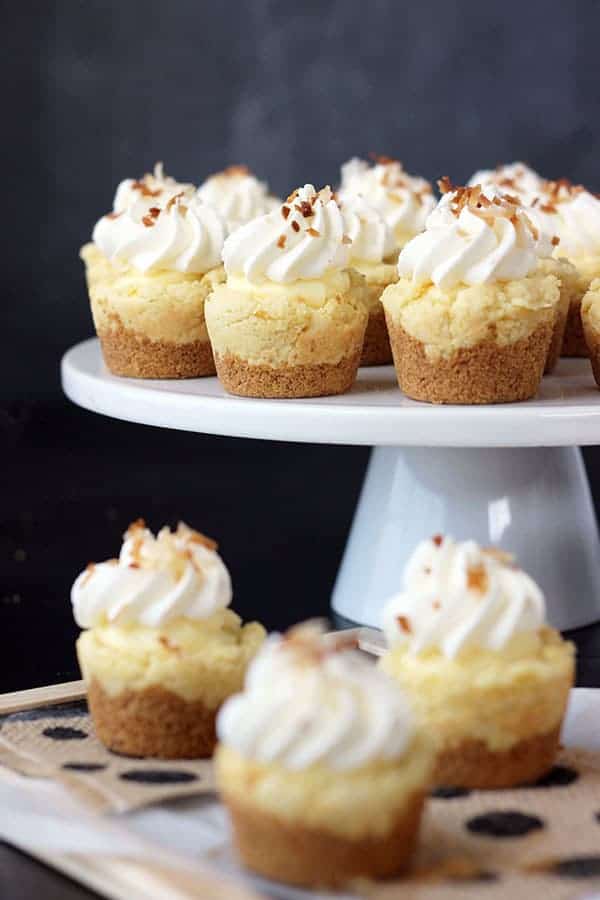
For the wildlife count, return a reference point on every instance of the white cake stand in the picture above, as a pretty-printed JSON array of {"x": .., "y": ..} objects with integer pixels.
[{"x": 510, "y": 475}]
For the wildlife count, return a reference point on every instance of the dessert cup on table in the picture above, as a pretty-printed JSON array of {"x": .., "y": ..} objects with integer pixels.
[
  {"x": 370, "y": 251},
  {"x": 237, "y": 195},
  {"x": 468, "y": 641},
  {"x": 160, "y": 650},
  {"x": 471, "y": 317},
  {"x": 290, "y": 319},
  {"x": 149, "y": 270},
  {"x": 320, "y": 764}
]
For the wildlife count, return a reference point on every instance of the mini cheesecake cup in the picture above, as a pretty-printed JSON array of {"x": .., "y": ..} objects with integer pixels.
[
  {"x": 590, "y": 320},
  {"x": 478, "y": 344},
  {"x": 320, "y": 827},
  {"x": 376, "y": 349},
  {"x": 496, "y": 719},
  {"x": 156, "y": 691},
  {"x": 150, "y": 325},
  {"x": 587, "y": 270},
  {"x": 568, "y": 278},
  {"x": 302, "y": 339}
]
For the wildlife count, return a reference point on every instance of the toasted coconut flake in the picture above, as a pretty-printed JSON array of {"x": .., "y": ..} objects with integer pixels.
[
  {"x": 404, "y": 624},
  {"x": 477, "y": 579},
  {"x": 313, "y": 232}
]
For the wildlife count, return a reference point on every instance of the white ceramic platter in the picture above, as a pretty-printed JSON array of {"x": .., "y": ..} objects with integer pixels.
[{"x": 565, "y": 413}]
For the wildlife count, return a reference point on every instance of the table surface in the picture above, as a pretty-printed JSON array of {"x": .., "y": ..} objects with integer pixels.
[
  {"x": 566, "y": 411},
  {"x": 76, "y": 481}
]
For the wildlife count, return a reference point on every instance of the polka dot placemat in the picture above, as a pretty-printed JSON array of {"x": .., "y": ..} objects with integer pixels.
[
  {"x": 540, "y": 842},
  {"x": 59, "y": 742}
]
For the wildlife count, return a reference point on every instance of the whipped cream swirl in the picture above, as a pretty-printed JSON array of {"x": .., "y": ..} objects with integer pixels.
[
  {"x": 513, "y": 178},
  {"x": 307, "y": 702},
  {"x": 474, "y": 238},
  {"x": 574, "y": 212},
  {"x": 458, "y": 596},
  {"x": 303, "y": 238},
  {"x": 237, "y": 195},
  {"x": 174, "y": 575},
  {"x": 404, "y": 201},
  {"x": 153, "y": 189},
  {"x": 182, "y": 236},
  {"x": 372, "y": 238}
]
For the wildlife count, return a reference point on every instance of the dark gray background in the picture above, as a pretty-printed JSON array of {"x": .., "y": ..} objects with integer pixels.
[{"x": 99, "y": 91}]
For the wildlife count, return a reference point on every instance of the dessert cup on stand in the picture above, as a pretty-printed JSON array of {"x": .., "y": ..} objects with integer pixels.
[
  {"x": 290, "y": 319},
  {"x": 471, "y": 318},
  {"x": 149, "y": 270}
]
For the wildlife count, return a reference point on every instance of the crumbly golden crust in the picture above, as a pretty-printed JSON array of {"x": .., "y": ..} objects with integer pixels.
[
  {"x": 376, "y": 349},
  {"x": 285, "y": 382},
  {"x": 574, "y": 343},
  {"x": 558, "y": 333},
  {"x": 592, "y": 339},
  {"x": 471, "y": 764},
  {"x": 133, "y": 355},
  {"x": 152, "y": 722},
  {"x": 296, "y": 854},
  {"x": 484, "y": 373}
]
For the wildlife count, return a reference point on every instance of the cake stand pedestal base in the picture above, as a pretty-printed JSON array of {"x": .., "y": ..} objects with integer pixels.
[{"x": 534, "y": 502}]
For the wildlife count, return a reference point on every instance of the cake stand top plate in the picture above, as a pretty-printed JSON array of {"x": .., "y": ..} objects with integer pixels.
[{"x": 566, "y": 411}]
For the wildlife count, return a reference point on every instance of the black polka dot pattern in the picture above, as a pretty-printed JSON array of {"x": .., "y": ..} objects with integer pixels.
[
  {"x": 448, "y": 793},
  {"x": 84, "y": 767},
  {"x": 504, "y": 824},
  {"x": 578, "y": 867},
  {"x": 63, "y": 733},
  {"x": 558, "y": 776},
  {"x": 158, "y": 776}
]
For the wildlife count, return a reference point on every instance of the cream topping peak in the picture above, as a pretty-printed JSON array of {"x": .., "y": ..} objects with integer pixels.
[
  {"x": 177, "y": 574},
  {"x": 458, "y": 596},
  {"x": 303, "y": 238},
  {"x": 312, "y": 700}
]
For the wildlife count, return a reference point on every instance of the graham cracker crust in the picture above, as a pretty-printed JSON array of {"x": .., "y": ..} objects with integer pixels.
[
  {"x": 485, "y": 373},
  {"x": 592, "y": 338},
  {"x": 286, "y": 382},
  {"x": 376, "y": 349},
  {"x": 133, "y": 355},
  {"x": 152, "y": 722},
  {"x": 558, "y": 335},
  {"x": 472, "y": 765},
  {"x": 574, "y": 343},
  {"x": 298, "y": 854}
]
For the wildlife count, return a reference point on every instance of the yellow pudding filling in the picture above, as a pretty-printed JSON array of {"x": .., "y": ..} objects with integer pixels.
[
  {"x": 445, "y": 321},
  {"x": 588, "y": 268},
  {"x": 499, "y": 698},
  {"x": 162, "y": 305},
  {"x": 308, "y": 321},
  {"x": 350, "y": 803},
  {"x": 377, "y": 277},
  {"x": 197, "y": 659}
]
